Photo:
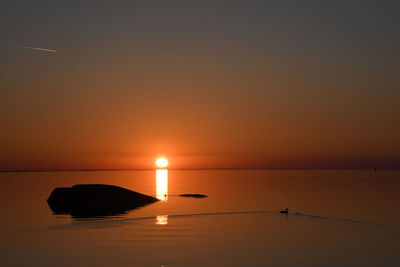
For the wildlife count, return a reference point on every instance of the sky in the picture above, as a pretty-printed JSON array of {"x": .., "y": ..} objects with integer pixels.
[{"x": 208, "y": 84}]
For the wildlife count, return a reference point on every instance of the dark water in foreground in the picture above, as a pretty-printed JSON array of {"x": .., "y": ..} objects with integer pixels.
[{"x": 338, "y": 217}]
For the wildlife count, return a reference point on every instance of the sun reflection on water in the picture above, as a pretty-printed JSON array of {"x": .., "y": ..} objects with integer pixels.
[
  {"x": 162, "y": 220},
  {"x": 162, "y": 184}
]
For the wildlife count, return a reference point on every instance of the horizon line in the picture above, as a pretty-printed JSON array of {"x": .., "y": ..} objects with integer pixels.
[{"x": 194, "y": 169}]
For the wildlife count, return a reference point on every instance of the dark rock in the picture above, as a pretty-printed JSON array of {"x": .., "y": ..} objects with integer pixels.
[
  {"x": 193, "y": 195},
  {"x": 95, "y": 200}
]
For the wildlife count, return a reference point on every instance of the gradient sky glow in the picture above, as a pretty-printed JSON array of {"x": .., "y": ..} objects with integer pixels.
[{"x": 209, "y": 84}]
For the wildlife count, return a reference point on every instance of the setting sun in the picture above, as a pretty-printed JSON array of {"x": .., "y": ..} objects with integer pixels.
[{"x": 161, "y": 162}]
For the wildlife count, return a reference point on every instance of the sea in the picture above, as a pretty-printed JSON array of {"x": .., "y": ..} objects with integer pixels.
[{"x": 335, "y": 218}]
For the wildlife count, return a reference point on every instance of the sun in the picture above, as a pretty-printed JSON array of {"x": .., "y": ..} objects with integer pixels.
[{"x": 162, "y": 162}]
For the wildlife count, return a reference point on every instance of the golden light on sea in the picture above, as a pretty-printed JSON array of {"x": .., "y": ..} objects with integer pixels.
[
  {"x": 162, "y": 184},
  {"x": 162, "y": 220},
  {"x": 162, "y": 178}
]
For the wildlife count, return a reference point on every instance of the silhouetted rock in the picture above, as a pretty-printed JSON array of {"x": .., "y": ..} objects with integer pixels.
[
  {"x": 193, "y": 195},
  {"x": 95, "y": 200}
]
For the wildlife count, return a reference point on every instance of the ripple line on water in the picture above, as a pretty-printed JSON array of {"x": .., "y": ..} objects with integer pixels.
[{"x": 104, "y": 222}]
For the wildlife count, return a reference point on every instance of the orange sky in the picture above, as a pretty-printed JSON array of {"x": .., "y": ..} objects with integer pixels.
[{"x": 209, "y": 86}]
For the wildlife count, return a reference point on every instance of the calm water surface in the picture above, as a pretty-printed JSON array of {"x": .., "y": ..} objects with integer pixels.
[{"x": 338, "y": 217}]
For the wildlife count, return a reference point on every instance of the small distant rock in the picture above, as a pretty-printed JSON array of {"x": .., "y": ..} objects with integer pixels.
[{"x": 193, "y": 195}]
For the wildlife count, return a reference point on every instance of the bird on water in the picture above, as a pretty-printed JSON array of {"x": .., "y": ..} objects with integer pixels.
[{"x": 286, "y": 211}]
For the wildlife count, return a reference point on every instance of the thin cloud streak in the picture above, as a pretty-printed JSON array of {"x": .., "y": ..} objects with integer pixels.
[{"x": 40, "y": 49}]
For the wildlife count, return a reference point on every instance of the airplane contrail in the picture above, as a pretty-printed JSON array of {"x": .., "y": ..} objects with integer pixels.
[{"x": 40, "y": 49}]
